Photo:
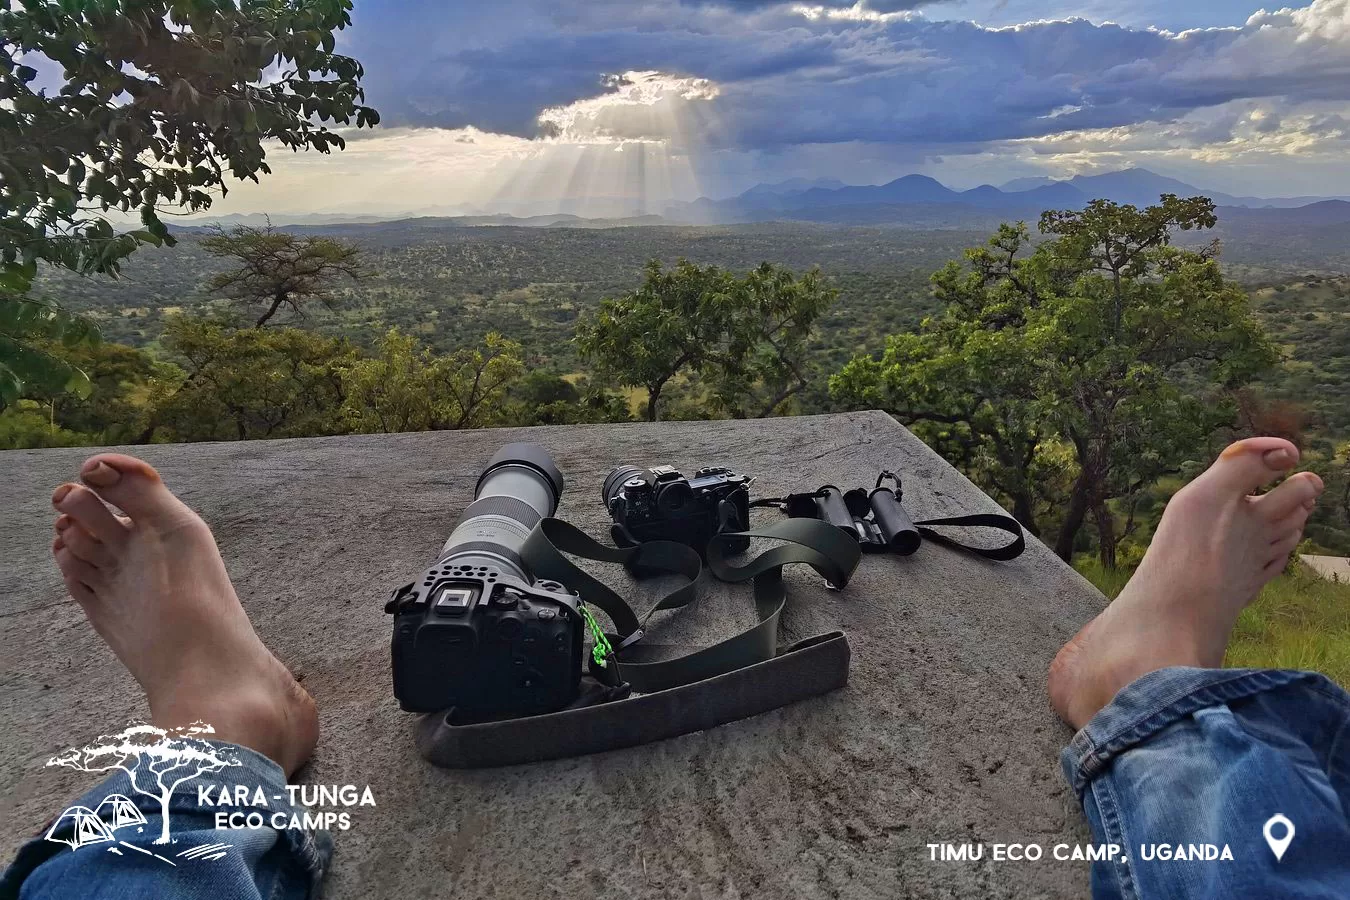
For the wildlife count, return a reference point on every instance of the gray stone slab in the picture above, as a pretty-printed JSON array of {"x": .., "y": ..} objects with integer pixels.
[{"x": 943, "y": 734}]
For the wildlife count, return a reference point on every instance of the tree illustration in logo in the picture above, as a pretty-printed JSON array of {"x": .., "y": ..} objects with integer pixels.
[{"x": 156, "y": 760}]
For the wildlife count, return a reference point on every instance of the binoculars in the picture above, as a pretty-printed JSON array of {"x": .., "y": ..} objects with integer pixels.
[{"x": 874, "y": 518}]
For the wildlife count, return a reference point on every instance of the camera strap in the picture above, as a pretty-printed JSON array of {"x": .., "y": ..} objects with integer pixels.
[
  {"x": 851, "y": 514},
  {"x": 741, "y": 676}
]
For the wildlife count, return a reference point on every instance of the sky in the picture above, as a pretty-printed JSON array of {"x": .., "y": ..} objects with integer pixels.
[{"x": 607, "y": 107}]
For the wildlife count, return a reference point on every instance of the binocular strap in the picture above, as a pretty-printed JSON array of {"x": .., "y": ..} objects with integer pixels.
[{"x": 736, "y": 678}]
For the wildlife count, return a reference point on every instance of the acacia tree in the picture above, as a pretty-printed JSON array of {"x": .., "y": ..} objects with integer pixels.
[
  {"x": 156, "y": 760},
  {"x": 746, "y": 338},
  {"x": 1106, "y": 338},
  {"x": 280, "y": 269},
  {"x": 160, "y": 97}
]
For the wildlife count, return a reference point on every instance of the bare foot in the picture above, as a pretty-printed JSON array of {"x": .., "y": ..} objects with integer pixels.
[
  {"x": 1215, "y": 548},
  {"x": 154, "y": 587}
]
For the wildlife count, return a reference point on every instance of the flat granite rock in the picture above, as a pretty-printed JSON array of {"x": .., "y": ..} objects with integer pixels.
[{"x": 944, "y": 732}]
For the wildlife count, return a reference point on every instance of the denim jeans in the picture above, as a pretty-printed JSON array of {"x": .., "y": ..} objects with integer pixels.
[
  {"x": 1180, "y": 757},
  {"x": 1209, "y": 756},
  {"x": 83, "y": 859}
]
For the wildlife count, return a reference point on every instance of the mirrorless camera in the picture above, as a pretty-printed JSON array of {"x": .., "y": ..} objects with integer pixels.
[
  {"x": 660, "y": 504},
  {"x": 475, "y": 631}
]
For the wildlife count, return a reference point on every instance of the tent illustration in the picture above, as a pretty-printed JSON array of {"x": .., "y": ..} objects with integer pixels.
[
  {"x": 117, "y": 812},
  {"x": 88, "y": 828}
]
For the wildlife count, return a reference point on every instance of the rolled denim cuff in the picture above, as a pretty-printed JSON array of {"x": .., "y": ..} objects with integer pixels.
[{"x": 1150, "y": 704}]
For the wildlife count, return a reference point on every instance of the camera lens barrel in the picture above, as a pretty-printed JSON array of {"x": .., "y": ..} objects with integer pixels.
[
  {"x": 520, "y": 485},
  {"x": 614, "y": 481}
]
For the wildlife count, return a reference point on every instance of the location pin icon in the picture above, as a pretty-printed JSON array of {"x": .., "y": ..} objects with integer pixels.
[{"x": 1278, "y": 844}]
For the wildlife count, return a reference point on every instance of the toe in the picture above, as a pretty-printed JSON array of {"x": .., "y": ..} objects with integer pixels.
[
  {"x": 75, "y": 569},
  {"x": 1294, "y": 495},
  {"x": 133, "y": 486},
  {"x": 84, "y": 508},
  {"x": 1247, "y": 465},
  {"x": 80, "y": 591},
  {"x": 88, "y": 548},
  {"x": 1278, "y": 555}
]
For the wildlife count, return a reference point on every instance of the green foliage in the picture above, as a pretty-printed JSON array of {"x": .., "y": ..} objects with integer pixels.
[
  {"x": 160, "y": 98},
  {"x": 674, "y": 322},
  {"x": 279, "y": 269},
  {"x": 745, "y": 338},
  {"x": 764, "y": 360},
  {"x": 251, "y": 383},
  {"x": 1298, "y": 621},
  {"x": 26, "y": 426},
  {"x": 541, "y": 398},
  {"x": 1106, "y": 339},
  {"x": 122, "y": 381},
  {"x": 28, "y": 367},
  {"x": 407, "y": 387}
]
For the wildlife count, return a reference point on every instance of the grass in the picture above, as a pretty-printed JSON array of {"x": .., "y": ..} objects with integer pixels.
[{"x": 1299, "y": 621}]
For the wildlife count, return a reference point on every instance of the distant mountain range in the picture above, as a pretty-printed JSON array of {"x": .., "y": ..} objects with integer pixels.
[
  {"x": 865, "y": 203},
  {"x": 915, "y": 201}
]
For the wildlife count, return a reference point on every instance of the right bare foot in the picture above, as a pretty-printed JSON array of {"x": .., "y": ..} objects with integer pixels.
[
  {"x": 1215, "y": 548},
  {"x": 154, "y": 587}
]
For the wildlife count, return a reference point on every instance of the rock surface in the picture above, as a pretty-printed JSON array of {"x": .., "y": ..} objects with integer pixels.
[{"x": 943, "y": 734}]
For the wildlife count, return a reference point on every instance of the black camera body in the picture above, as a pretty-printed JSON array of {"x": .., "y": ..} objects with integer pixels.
[
  {"x": 476, "y": 632},
  {"x": 485, "y": 642},
  {"x": 660, "y": 504}
]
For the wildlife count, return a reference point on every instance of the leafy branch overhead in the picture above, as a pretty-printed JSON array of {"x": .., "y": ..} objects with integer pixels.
[
  {"x": 160, "y": 99},
  {"x": 30, "y": 330}
]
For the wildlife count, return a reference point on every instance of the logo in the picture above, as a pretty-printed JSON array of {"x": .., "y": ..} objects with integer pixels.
[
  {"x": 160, "y": 763},
  {"x": 157, "y": 761}
]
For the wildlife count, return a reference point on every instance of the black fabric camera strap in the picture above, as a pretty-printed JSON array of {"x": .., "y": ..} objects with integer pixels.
[
  {"x": 742, "y": 676},
  {"x": 1010, "y": 550}
]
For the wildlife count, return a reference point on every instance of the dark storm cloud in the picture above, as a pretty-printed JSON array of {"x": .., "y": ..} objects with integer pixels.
[{"x": 786, "y": 78}]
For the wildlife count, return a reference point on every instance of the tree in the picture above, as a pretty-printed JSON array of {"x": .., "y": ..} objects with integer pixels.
[
  {"x": 280, "y": 269},
  {"x": 28, "y": 366},
  {"x": 160, "y": 759},
  {"x": 407, "y": 387},
  {"x": 250, "y": 383},
  {"x": 673, "y": 322},
  {"x": 771, "y": 319},
  {"x": 744, "y": 338},
  {"x": 159, "y": 98},
  {"x": 1106, "y": 338}
]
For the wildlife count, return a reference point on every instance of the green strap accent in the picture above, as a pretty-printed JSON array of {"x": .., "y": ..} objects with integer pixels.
[
  {"x": 602, "y": 650},
  {"x": 820, "y": 545}
]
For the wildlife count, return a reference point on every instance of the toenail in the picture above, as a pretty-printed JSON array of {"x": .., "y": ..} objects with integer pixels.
[
  {"x": 1279, "y": 458},
  {"x": 102, "y": 474},
  {"x": 60, "y": 493},
  {"x": 1309, "y": 504}
]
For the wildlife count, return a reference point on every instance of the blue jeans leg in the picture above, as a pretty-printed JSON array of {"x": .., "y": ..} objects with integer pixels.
[
  {"x": 109, "y": 850},
  {"x": 1208, "y": 756}
]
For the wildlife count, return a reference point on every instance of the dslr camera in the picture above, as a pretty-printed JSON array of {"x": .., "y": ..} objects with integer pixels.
[
  {"x": 475, "y": 631},
  {"x": 660, "y": 504}
]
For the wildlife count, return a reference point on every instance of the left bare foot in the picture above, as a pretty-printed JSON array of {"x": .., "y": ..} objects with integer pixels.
[{"x": 154, "y": 587}]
